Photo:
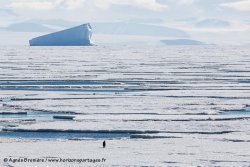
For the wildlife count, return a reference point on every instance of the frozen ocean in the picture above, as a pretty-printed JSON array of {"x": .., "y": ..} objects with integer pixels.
[{"x": 154, "y": 106}]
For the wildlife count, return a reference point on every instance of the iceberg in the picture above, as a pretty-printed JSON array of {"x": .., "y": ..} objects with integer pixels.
[
  {"x": 182, "y": 42},
  {"x": 75, "y": 36}
]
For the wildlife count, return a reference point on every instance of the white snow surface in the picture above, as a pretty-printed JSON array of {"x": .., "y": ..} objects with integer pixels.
[{"x": 159, "y": 106}]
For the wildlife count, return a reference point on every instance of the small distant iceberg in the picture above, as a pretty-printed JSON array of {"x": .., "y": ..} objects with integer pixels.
[
  {"x": 182, "y": 42},
  {"x": 75, "y": 36}
]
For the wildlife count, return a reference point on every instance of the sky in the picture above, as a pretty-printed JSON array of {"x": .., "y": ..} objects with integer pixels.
[{"x": 194, "y": 16}]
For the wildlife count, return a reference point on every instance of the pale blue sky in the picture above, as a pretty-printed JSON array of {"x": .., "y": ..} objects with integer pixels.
[{"x": 193, "y": 16}]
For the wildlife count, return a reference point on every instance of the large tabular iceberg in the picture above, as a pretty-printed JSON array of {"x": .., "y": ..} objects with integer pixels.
[{"x": 75, "y": 36}]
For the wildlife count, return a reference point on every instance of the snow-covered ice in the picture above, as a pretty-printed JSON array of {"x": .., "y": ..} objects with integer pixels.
[{"x": 161, "y": 106}]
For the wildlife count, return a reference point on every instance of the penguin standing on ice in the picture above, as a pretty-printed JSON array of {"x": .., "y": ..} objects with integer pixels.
[{"x": 104, "y": 144}]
